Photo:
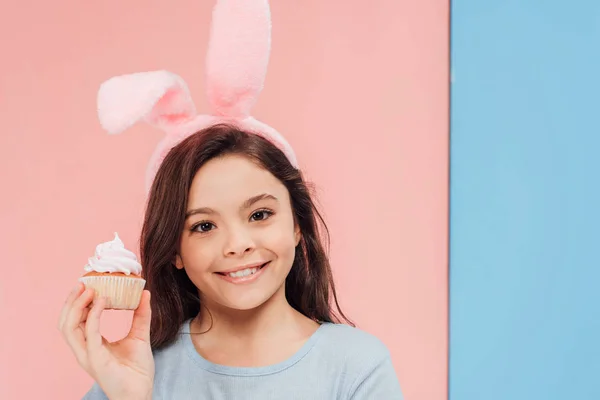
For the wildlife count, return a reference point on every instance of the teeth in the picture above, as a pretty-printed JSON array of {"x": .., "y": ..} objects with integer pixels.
[{"x": 243, "y": 273}]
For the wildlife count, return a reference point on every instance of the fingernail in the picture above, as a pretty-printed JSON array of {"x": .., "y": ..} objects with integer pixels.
[{"x": 76, "y": 288}]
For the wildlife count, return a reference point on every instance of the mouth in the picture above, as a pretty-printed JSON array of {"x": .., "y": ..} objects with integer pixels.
[{"x": 246, "y": 275}]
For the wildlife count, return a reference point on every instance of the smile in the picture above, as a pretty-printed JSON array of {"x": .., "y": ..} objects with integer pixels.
[{"x": 244, "y": 275}]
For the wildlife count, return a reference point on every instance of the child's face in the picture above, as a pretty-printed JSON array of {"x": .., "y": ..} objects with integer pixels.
[{"x": 240, "y": 217}]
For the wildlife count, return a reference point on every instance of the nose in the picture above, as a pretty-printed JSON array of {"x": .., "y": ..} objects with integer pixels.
[{"x": 239, "y": 242}]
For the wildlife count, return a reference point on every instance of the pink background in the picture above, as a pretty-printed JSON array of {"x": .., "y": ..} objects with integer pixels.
[{"x": 359, "y": 90}]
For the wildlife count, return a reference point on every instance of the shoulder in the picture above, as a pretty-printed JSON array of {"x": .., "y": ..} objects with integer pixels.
[
  {"x": 353, "y": 344},
  {"x": 361, "y": 360},
  {"x": 174, "y": 351}
]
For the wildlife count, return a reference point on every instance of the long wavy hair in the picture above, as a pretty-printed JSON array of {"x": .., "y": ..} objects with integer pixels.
[{"x": 309, "y": 287}]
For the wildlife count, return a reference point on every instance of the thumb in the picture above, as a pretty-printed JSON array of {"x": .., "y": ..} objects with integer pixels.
[{"x": 140, "y": 327}]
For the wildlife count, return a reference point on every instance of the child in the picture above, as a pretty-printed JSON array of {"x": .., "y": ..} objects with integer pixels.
[{"x": 232, "y": 254}]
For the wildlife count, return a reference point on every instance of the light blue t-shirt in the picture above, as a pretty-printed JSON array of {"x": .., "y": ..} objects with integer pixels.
[{"x": 337, "y": 362}]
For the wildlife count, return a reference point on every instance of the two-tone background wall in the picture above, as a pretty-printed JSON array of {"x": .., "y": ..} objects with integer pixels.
[{"x": 362, "y": 91}]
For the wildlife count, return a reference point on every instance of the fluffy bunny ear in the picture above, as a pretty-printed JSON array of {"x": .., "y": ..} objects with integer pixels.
[
  {"x": 160, "y": 98},
  {"x": 238, "y": 55}
]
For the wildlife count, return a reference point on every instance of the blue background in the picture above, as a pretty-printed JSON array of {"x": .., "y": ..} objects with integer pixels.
[{"x": 525, "y": 200}]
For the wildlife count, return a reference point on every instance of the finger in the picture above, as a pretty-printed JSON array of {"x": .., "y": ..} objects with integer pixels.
[
  {"x": 68, "y": 303},
  {"x": 74, "y": 336},
  {"x": 77, "y": 308},
  {"x": 84, "y": 319},
  {"x": 140, "y": 327},
  {"x": 92, "y": 326},
  {"x": 84, "y": 315}
]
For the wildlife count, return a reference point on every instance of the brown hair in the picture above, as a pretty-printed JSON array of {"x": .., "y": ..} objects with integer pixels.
[{"x": 309, "y": 286}]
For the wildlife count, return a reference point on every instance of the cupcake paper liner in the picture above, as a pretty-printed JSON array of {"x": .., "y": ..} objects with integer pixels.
[{"x": 121, "y": 292}]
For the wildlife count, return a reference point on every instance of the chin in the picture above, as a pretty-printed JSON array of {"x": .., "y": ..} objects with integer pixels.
[{"x": 246, "y": 301}]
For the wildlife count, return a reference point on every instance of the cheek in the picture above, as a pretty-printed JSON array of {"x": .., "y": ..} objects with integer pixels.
[
  {"x": 197, "y": 257},
  {"x": 281, "y": 241}
]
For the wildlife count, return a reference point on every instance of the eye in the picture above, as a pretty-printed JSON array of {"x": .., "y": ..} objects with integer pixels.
[
  {"x": 261, "y": 215},
  {"x": 203, "y": 227}
]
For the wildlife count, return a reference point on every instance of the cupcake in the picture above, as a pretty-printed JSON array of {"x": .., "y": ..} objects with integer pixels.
[{"x": 115, "y": 274}]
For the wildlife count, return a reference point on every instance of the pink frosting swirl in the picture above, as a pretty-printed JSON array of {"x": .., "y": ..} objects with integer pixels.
[{"x": 113, "y": 257}]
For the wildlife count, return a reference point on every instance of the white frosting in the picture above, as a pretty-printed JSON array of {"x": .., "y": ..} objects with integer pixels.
[{"x": 113, "y": 257}]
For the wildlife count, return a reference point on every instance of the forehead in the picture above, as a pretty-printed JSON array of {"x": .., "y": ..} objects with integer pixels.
[{"x": 230, "y": 180}]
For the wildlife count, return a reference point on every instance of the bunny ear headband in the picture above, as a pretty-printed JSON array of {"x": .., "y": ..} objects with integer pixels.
[{"x": 236, "y": 65}]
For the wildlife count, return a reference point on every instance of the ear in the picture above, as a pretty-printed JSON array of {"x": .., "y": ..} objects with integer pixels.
[
  {"x": 297, "y": 234},
  {"x": 160, "y": 98},
  {"x": 178, "y": 262}
]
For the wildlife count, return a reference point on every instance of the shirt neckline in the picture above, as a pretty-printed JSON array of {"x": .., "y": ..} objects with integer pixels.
[{"x": 248, "y": 371}]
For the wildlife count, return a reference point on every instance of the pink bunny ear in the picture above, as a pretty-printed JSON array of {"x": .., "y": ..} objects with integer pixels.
[
  {"x": 238, "y": 55},
  {"x": 160, "y": 98}
]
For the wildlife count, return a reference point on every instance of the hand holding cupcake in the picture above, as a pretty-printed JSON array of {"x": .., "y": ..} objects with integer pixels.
[{"x": 124, "y": 369}]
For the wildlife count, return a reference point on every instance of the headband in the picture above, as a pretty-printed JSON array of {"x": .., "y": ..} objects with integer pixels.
[{"x": 236, "y": 65}]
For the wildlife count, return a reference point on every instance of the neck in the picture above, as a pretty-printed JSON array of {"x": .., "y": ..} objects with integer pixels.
[
  {"x": 271, "y": 317},
  {"x": 262, "y": 336}
]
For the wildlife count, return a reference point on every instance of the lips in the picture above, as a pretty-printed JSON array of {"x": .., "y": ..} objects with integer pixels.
[
  {"x": 257, "y": 265},
  {"x": 244, "y": 274}
]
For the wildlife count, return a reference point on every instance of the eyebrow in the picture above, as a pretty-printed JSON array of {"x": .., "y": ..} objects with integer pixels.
[{"x": 247, "y": 204}]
